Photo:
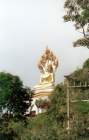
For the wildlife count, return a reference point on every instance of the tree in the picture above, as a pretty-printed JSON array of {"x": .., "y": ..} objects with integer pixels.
[
  {"x": 86, "y": 64},
  {"x": 78, "y": 12},
  {"x": 57, "y": 110},
  {"x": 80, "y": 75},
  {"x": 14, "y": 98},
  {"x": 79, "y": 97}
]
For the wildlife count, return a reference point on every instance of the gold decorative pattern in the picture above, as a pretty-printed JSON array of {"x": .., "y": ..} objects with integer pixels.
[{"x": 48, "y": 62}]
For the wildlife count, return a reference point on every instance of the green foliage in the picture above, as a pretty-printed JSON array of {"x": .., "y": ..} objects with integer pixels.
[
  {"x": 57, "y": 110},
  {"x": 82, "y": 107},
  {"x": 82, "y": 42},
  {"x": 7, "y": 82},
  {"x": 78, "y": 13},
  {"x": 86, "y": 64},
  {"x": 13, "y": 97},
  {"x": 79, "y": 104},
  {"x": 80, "y": 75}
]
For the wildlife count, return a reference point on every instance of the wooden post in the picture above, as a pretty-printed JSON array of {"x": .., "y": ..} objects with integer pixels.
[
  {"x": 74, "y": 84},
  {"x": 68, "y": 108},
  {"x": 85, "y": 84}
]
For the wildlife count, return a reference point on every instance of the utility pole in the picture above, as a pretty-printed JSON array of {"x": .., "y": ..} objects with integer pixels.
[{"x": 68, "y": 108}]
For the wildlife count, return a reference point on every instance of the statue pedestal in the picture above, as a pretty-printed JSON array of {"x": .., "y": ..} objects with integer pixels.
[{"x": 41, "y": 92}]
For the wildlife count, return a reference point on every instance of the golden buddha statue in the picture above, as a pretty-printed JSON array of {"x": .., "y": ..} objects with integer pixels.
[{"x": 47, "y": 65}]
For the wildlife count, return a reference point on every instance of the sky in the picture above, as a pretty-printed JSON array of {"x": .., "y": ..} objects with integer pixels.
[{"x": 26, "y": 28}]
